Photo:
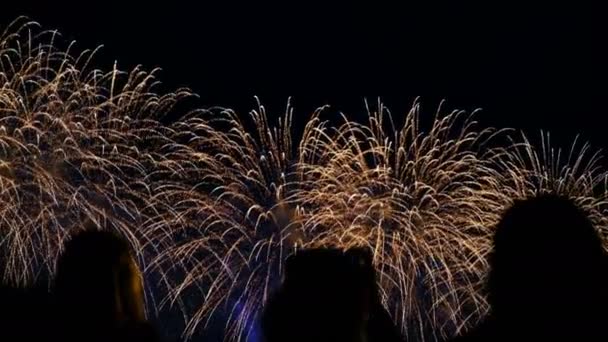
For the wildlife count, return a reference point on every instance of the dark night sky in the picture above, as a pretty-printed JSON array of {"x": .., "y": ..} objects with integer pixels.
[{"x": 528, "y": 67}]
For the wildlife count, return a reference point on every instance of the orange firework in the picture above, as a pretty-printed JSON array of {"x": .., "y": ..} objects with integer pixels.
[{"x": 76, "y": 144}]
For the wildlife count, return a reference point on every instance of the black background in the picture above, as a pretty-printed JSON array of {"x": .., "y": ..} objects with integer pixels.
[{"x": 529, "y": 67}]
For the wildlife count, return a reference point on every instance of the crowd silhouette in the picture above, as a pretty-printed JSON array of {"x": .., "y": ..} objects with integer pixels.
[{"x": 547, "y": 281}]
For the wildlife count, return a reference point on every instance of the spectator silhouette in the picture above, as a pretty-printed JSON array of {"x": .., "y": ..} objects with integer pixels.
[
  {"x": 24, "y": 313},
  {"x": 99, "y": 290},
  {"x": 328, "y": 295},
  {"x": 547, "y": 275}
]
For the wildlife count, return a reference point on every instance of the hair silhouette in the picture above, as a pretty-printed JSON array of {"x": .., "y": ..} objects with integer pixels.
[
  {"x": 328, "y": 295},
  {"x": 99, "y": 289},
  {"x": 547, "y": 274}
]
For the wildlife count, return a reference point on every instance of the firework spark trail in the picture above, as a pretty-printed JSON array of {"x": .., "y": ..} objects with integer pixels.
[
  {"x": 213, "y": 203},
  {"x": 422, "y": 201},
  {"x": 242, "y": 201},
  {"x": 577, "y": 174},
  {"x": 426, "y": 203},
  {"x": 233, "y": 216},
  {"x": 75, "y": 144}
]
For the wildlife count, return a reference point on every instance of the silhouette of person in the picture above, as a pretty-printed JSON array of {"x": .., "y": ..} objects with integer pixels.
[
  {"x": 328, "y": 295},
  {"x": 99, "y": 290},
  {"x": 24, "y": 313},
  {"x": 547, "y": 275}
]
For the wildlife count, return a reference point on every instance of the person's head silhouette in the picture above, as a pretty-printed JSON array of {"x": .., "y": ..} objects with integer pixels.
[
  {"x": 98, "y": 284},
  {"x": 546, "y": 268},
  {"x": 315, "y": 302},
  {"x": 328, "y": 295}
]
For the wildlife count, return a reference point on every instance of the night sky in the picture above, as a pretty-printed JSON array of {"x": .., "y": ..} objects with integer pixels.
[{"x": 531, "y": 67}]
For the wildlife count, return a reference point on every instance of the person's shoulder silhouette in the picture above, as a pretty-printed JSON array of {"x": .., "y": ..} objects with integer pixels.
[
  {"x": 546, "y": 274},
  {"x": 24, "y": 313}
]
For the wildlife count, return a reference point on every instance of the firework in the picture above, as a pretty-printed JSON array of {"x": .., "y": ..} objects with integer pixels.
[
  {"x": 213, "y": 203},
  {"x": 76, "y": 144},
  {"x": 234, "y": 215},
  {"x": 577, "y": 174},
  {"x": 424, "y": 201}
]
